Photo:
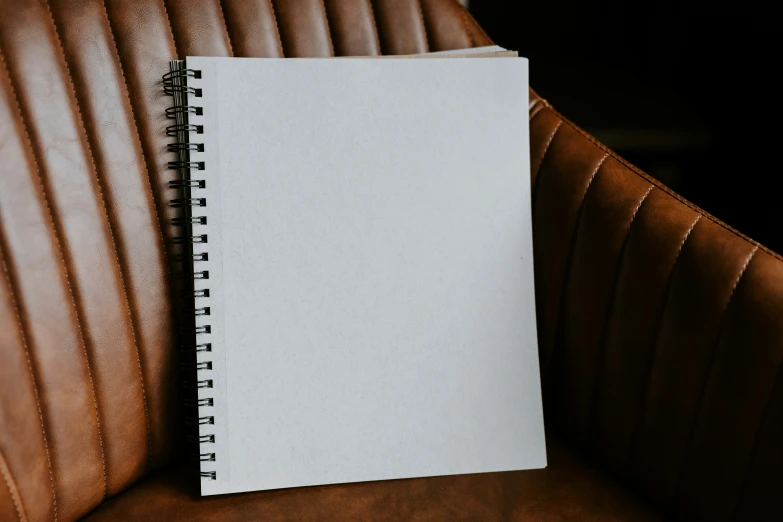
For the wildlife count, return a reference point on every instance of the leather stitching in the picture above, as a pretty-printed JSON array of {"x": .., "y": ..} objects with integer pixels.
[
  {"x": 642, "y": 409},
  {"x": 570, "y": 260},
  {"x": 65, "y": 275},
  {"x": 423, "y": 26},
  {"x": 225, "y": 26},
  {"x": 11, "y": 485},
  {"x": 328, "y": 29},
  {"x": 153, "y": 205},
  {"x": 374, "y": 25},
  {"x": 277, "y": 28},
  {"x": 536, "y": 109},
  {"x": 663, "y": 187},
  {"x": 99, "y": 181},
  {"x": 546, "y": 149},
  {"x": 600, "y": 356},
  {"x": 171, "y": 27},
  {"x": 708, "y": 373},
  {"x": 147, "y": 168},
  {"x": 466, "y": 28}
]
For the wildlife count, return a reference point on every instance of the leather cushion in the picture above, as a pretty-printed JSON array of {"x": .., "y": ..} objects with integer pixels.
[{"x": 570, "y": 488}]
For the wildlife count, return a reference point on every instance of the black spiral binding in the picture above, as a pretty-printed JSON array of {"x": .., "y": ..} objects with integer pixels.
[{"x": 175, "y": 84}]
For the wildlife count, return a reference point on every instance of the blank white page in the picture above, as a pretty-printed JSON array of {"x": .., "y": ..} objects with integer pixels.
[{"x": 370, "y": 270}]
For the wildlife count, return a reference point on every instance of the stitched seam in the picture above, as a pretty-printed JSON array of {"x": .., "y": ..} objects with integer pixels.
[
  {"x": 65, "y": 272},
  {"x": 707, "y": 374},
  {"x": 225, "y": 26},
  {"x": 147, "y": 168},
  {"x": 570, "y": 261},
  {"x": 536, "y": 109},
  {"x": 642, "y": 409},
  {"x": 277, "y": 28},
  {"x": 111, "y": 237},
  {"x": 9, "y": 482},
  {"x": 464, "y": 17},
  {"x": 664, "y": 188},
  {"x": 328, "y": 29},
  {"x": 124, "y": 87},
  {"x": 423, "y": 26},
  {"x": 171, "y": 27},
  {"x": 374, "y": 25},
  {"x": 756, "y": 441},
  {"x": 600, "y": 356},
  {"x": 546, "y": 149}
]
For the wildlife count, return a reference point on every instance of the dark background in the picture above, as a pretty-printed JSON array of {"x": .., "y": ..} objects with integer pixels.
[{"x": 684, "y": 89}]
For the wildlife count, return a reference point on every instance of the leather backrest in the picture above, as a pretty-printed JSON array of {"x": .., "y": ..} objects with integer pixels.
[
  {"x": 87, "y": 351},
  {"x": 660, "y": 331}
]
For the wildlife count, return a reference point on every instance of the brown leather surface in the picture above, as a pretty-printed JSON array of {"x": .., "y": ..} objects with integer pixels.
[
  {"x": 660, "y": 331},
  {"x": 569, "y": 489}
]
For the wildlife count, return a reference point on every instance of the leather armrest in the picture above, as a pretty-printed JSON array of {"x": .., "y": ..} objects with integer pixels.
[{"x": 659, "y": 330}]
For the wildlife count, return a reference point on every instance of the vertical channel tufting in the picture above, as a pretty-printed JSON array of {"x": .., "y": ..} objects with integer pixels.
[
  {"x": 442, "y": 17},
  {"x": 353, "y": 27},
  {"x": 610, "y": 311},
  {"x": 253, "y": 28},
  {"x": 17, "y": 399},
  {"x": 125, "y": 416},
  {"x": 605, "y": 216},
  {"x": 226, "y": 27},
  {"x": 557, "y": 356},
  {"x": 89, "y": 40},
  {"x": 199, "y": 28},
  {"x": 735, "y": 398},
  {"x": 139, "y": 60},
  {"x": 540, "y": 143},
  {"x": 650, "y": 255},
  {"x": 689, "y": 329},
  {"x": 685, "y": 367},
  {"x": 148, "y": 268},
  {"x": 423, "y": 22},
  {"x": 560, "y": 187},
  {"x": 702, "y": 402},
  {"x": 400, "y": 26},
  {"x": 78, "y": 465},
  {"x": 165, "y": 10},
  {"x": 304, "y": 28}
]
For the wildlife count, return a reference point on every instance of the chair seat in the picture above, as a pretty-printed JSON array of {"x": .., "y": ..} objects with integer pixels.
[{"x": 568, "y": 489}]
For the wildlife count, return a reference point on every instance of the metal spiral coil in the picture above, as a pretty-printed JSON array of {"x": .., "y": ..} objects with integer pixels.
[
  {"x": 204, "y": 457},
  {"x": 200, "y": 402},
  {"x": 200, "y": 421},
  {"x": 181, "y": 221},
  {"x": 172, "y": 112},
  {"x": 186, "y": 165},
  {"x": 202, "y": 439},
  {"x": 177, "y": 146},
  {"x": 170, "y": 89},
  {"x": 192, "y": 202},
  {"x": 175, "y": 83},
  {"x": 190, "y": 183},
  {"x": 175, "y": 130},
  {"x": 202, "y": 238},
  {"x": 206, "y": 383}
]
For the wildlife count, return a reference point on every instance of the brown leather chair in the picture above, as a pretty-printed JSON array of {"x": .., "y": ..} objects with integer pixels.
[{"x": 660, "y": 328}]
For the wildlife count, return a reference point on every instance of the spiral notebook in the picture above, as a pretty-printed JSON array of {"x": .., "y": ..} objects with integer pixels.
[{"x": 359, "y": 235}]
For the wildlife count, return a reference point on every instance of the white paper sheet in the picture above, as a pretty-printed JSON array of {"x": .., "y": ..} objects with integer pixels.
[{"x": 371, "y": 270}]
